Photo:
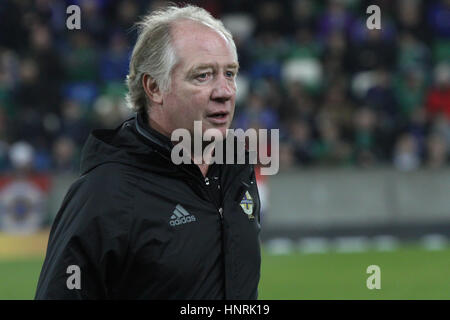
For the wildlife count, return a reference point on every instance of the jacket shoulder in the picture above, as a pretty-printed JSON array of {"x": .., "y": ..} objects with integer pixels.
[
  {"x": 109, "y": 178},
  {"x": 107, "y": 193}
]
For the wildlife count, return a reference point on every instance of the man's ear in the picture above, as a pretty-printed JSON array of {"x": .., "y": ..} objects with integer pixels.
[{"x": 152, "y": 90}]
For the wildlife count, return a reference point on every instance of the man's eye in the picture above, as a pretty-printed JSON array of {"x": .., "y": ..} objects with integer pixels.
[
  {"x": 230, "y": 74},
  {"x": 203, "y": 76}
]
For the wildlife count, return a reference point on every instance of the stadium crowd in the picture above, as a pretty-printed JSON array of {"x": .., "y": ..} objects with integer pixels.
[{"x": 341, "y": 94}]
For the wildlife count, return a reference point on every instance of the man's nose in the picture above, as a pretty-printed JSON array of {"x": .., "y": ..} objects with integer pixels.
[{"x": 224, "y": 89}]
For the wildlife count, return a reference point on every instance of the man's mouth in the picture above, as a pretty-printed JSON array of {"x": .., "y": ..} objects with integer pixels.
[{"x": 220, "y": 117}]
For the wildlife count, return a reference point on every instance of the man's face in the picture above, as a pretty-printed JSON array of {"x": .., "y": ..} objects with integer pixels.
[{"x": 203, "y": 84}]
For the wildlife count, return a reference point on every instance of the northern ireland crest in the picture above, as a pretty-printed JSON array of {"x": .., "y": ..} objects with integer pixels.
[{"x": 247, "y": 205}]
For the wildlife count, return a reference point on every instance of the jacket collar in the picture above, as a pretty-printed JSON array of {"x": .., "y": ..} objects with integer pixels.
[{"x": 159, "y": 140}]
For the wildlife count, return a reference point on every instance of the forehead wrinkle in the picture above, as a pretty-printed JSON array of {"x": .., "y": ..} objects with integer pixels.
[{"x": 177, "y": 27}]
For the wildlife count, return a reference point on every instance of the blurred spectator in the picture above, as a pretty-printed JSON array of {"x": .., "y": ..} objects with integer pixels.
[
  {"x": 110, "y": 111},
  {"x": 330, "y": 148},
  {"x": 300, "y": 133},
  {"x": 334, "y": 18},
  {"x": 126, "y": 14},
  {"x": 381, "y": 98},
  {"x": 114, "y": 60},
  {"x": 438, "y": 99},
  {"x": 406, "y": 155},
  {"x": 269, "y": 45},
  {"x": 257, "y": 114},
  {"x": 49, "y": 64},
  {"x": 31, "y": 99},
  {"x": 408, "y": 17},
  {"x": 334, "y": 55},
  {"x": 287, "y": 158},
  {"x": 64, "y": 155},
  {"x": 42, "y": 160},
  {"x": 93, "y": 21},
  {"x": 31, "y": 92},
  {"x": 269, "y": 18},
  {"x": 365, "y": 144},
  {"x": 438, "y": 18},
  {"x": 48, "y": 59},
  {"x": 304, "y": 45},
  {"x": 21, "y": 156},
  {"x": 418, "y": 128},
  {"x": 12, "y": 14},
  {"x": 4, "y": 159},
  {"x": 81, "y": 59},
  {"x": 410, "y": 91},
  {"x": 437, "y": 151},
  {"x": 412, "y": 53},
  {"x": 441, "y": 125},
  {"x": 270, "y": 91},
  {"x": 299, "y": 103},
  {"x": 302, "y": 60},
  {"x": 304, "y": 14},
  {"x": 336, "y": 106},
  {"x": 4, "y": 129},
  {"x": 266, "y": 53},
  {"x": 373, "y": 49},
  {"x": 73, "y": 125}
]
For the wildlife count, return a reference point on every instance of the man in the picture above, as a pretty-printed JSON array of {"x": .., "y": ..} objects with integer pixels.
[{"x": 137, "y": 226}]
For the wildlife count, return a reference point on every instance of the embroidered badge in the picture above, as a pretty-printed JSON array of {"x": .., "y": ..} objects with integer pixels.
[{"x": 247, "y": 205}]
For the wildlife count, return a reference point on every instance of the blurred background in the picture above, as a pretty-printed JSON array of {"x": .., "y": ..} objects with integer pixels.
[{"x": 364, "y": 120}]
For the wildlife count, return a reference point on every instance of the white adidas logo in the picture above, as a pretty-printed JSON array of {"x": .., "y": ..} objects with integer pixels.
[{"x": 181, "y": 216}]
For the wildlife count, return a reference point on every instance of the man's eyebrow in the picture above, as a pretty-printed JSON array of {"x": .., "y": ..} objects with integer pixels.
[
  {"x": 201, "y": 67},
  {"x": 212, "y": 66},
  {"x": 233, "y": 66},
  {"x": 195, "y": 69}
]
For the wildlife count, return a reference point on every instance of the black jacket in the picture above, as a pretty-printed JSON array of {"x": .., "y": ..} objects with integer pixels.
[{"x": 140, "y": 227}]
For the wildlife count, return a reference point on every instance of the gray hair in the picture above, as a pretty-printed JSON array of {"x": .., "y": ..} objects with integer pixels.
[{"x": 154, "y": 54}]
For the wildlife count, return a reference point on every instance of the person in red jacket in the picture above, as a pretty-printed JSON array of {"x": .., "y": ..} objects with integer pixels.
[{"x": 438, "y": 99}]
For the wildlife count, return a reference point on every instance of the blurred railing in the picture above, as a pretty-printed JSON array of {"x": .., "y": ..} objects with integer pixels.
[{"x": 357, "y": 202}]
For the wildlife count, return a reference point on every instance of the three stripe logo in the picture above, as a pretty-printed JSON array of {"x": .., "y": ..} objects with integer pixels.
[{"x": 181, "y": 216}]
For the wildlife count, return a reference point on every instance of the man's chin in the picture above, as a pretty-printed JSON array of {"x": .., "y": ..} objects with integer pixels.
[
  {"x": 218, "y": 132},
  {"x": 216, "y": 126}
]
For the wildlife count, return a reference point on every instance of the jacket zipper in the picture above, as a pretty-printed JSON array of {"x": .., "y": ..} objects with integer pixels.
[{"x": 219, "y": 209}]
